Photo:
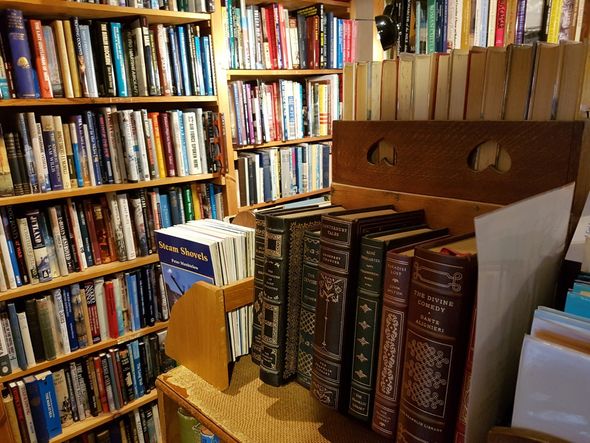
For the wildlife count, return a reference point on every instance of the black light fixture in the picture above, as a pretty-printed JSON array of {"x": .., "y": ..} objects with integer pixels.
[{"x": 388, "y": 25}]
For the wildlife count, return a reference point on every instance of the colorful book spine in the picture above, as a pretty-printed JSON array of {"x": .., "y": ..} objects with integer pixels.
[
  {"x": 119, "y": 59},
  {"x": 22, "y": 63}
]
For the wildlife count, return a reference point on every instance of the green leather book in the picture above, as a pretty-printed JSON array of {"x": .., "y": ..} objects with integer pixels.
[{"x": 188, "y": 427}]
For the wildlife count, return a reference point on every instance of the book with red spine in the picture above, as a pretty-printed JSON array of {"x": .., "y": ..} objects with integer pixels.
[
  {"x": 167, "y": 144},
  {"x": 102, "y": 392},
  {"x": 41, "y": 62},
  {"x": 109, "y": 294}
]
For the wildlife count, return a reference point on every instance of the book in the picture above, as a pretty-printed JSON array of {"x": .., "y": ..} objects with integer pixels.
[
  {"x": 282, "y": 289},
  {"x": 43, "y": 401},
  {"x": 442, "y": 290},
  {"x": 332, "y": 354},
  {"x": 20, "y": 51}
]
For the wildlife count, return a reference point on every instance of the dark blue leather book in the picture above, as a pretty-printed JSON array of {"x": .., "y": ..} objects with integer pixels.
[
  {"x": 326, "y": 166},
  {"x": 177, "y": 88},
  {"x": 48, "y": 129},
  {"x": 264, "y": 158},
  {"x": 20, "y": 51},
  {"x": 94, "y": 149},
  {"x": 175, "y": 204},
  {"x": 70, "y": 319}
]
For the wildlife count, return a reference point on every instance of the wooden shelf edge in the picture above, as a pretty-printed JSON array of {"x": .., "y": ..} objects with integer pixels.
[
  {"x": 76, "y": 277},
  {"x": 132, "y": 335},
  {"x": 78, "y": 101},
  {"x": 285, "y": 199},
  {"x": 92, "y": 190},
  {"x": 93, "y": 422},
  {"x": 235, "y": 73},
  {"x": 321, "y": 138}
]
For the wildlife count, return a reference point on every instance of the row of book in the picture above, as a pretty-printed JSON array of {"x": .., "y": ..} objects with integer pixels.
[
  {"x": 522, "y": 82},
  {"x": 141, "y": 425},
  {"x": 355, "y": 285},
  {"x": 281, "y": 110},
  {"x": 166, "y": 5},
  {"x": 77, "y": 316},
  {"x": 217, "y": 253},
  {"x": 452, "y": 24},
  {"x": 47, "y": 153},
  {"x": 69, "y": 58},
  {"x": 272, "y": 37},
  {"x": 46, "y": 403},
  {"x": 269, "y": 174}
]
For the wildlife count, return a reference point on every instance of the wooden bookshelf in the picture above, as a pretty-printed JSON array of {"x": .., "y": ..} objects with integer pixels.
[
  {"x": 109, "y": 343},
  {"x": 323, "y": 138},
  {"x": 286, "y": 199},
  {"x": 92, "y": 190},
  {"x": 278, "y": 73},
  {"x": 77, "y": 277},
  {"x": 338, "y": 6},
  {"x": 88, "y": 101},
  {"x": 60, "y": 9},
  {"x": 94, "y": 422}
]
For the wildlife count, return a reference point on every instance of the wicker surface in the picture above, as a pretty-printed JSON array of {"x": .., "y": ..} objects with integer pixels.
[{"x": 251, "y": 411}]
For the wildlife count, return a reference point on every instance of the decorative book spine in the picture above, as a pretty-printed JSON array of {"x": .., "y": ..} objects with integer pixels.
[
  {"x": 309, "y": 290},
  {"x": 396, "y": 287},
  {"x": 258, "y": 286},
  {"x": 21, "y": 54},
  {"x": 366, "y": 338},
  {"x": 282, "y": 289},
  {"x": 439, "y": 313}
]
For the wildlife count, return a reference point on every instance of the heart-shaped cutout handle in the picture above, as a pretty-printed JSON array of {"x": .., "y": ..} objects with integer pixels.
[
  {"x": 382, "y": 152},
  {"x": 489, "y": 154}
]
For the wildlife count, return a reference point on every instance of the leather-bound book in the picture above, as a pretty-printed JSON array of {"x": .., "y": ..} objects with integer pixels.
[
  {"x": 338, "y": 268},
  {"x": 442, "y": 293},
  {"x": 282, "y": 290},
  {"x": 309, "y": 290},
  {"x": 368, "y": 311}
]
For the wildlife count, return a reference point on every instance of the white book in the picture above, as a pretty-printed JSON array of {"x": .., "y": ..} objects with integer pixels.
[
  {"x": 10, "y": 277},
  {"x": 77, "y": 391},
  {"x": 27, "y": 245},
  {"x": 125, "y": 216},
  {"x": 38, "y": 153},
  {"x": 55, "y": 327},
  {"x": 115, "y": 148},
  {"x": 130, "y": 148},
  {"x": 142, "y": 82},
  {"x": 156, "y": 416},
  {"x": 294, "y": 40},
  {"x": 288, "y": 44},
  {"x": 150, "y": 143},
  {"x": 117, "y": 226},
  {"x": 139, "y": 141},
  {"x": 24, "y": 400},
  {"x": 492, "y": 11},
  {"x": 458, "y": 23},
  {"x": 201, "y": 139},
  {"x": 58, "y": 241},
  {"x": 60, "y": 320},
  {"x": 63, "y": 398},
  {"x": 118, "y": 304},
  {"x": 26, "y": 336},
  {"x": 251, "y": 36},
  {"x": 89, "y": 163},
  {"x": 275, "y": 173},
  {"x": 177, "y": 142},
  {"x": 89, "y": 60},
  {"x": 165, "y": 66},
  {"x": 192, "y": 143},
  {"x": 101, "y": 307},
  {"x": 61, "y": 152},
  {"x": 77, "y": 244},
  {"x": 5, "y": 363},
  {"x": 137, "y": 420},
  {"x": 7, "y": 331}
]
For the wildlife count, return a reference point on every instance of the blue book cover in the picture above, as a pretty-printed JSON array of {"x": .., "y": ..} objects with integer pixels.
[
  {"x": 199, "y": 67},
  {"x": 581, "y": 286},
  {"x": 49, "y": 406},
  {"x": 119, "y": 59},
  {"x": 165, "y": 211},
  {"x": 132, "y": 367},
  {"x": 184, "y": 62},
  {"x": 116, "y": 397},
  {"x": 325, "y": 177},
  {"x": 264, "y": 158},
  {"x": 76, "y": 151},
  {"x": 50, "y": 144},
  {"x": 340, "y": 49},
  {"x": 184, "y": 262},
  {"x": 11, "y": 250},
  {"x": 577, "y": 304},
  {"x": 207, "y": 68},
  {"x": 66, "y": 294},
  {"x": 329, "y": 36},
  {"x": 17, "y": 337},
  {"x": 174, "y": 62},
  {"x": 29, "y": 158},
  {"x": 131, "y": 282},
  {"x": 34, "y": 397},
  {"x": 94, "y": 148},
  {"x": 137, "y": 366},
  {"x": 184, "y": 150},
  {"x": 211, "y": 192},
  {"x": 22, "y": 63}
]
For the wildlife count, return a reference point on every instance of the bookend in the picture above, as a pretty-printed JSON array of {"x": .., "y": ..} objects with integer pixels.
[{"x": 197, "y": 334}]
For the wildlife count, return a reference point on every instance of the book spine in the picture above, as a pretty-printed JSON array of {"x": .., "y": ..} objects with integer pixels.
[
  {"x": 94, "y": 148},
  {"x": 35, "y": 406},
  {"x": 442, "y": 291},
  {"x": 125, "y": 215},
  {"x": 22, "y": 64},
  {"x": 100, "y": 379},
  {"x": 119, "y": 59},
  {"x": 164, "y": 118},
  {"x": 70, "y": 318},
  {"x": 73, "y": 398},
  {"x": 53, "y": 68},
  {"x": 34, "y": 330},
  {"x": 46, "y": 328},
  {"x": 50, "y": 144},
  {"x": 10, "y": 350},
  {"x": 41, "y": 62},
  {"x": 92, "y": 311},
  {"x": 82, "y": 332},
  {"x": 17, "y": 337}
]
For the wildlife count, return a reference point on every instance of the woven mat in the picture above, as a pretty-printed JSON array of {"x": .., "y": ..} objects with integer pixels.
[{"x": 252, "y": 411}]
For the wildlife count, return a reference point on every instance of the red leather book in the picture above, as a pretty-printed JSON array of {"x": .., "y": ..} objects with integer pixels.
[
  {"x": 167, "y": 144},
  {"x": 102, "y": 392},
  {"x": 109, "y": 295},
  {"x": 272, "y": 37},
  {"x": 40, "y": 54}
]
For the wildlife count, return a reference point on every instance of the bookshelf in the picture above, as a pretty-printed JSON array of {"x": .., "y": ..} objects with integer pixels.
[
  {"x": 48, "y": 10},
  {"x": 286, "y": 199},
  {"x": 271, "y": 73},
  {"x": 284, "y": 143}
]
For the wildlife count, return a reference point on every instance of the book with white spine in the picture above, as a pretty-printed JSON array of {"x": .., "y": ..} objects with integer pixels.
[
  {"x": 61, "y": 152},
  {"x": 115, "y": 148},
  {"x": 58, "y": 241},
  {"x": 10, "y": 277},
  {"x": 78, "y": 244},
  {"x": 139, "y": 138},
  {"x": 130, "y": 148},
  {"x": 60, "y": 320},
  {"x": 181, "y": 168},
  {"x": 101, "y": 307},
  {"x": 150, "y": 144},
  {"x": 7, "y": 331},
  {"x": 38, "y": 153},
  {"x": 125, "y": 215},
  {"x": 117, "y": 226},
  {"x": 90, "y": 160},
  {"x": 192, "y": 143},
  {"x": 26, "y": 336},
  {"x": 27, "y": 245}
]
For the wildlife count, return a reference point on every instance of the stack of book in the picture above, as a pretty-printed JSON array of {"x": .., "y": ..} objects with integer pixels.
[
  {"x": 167, "y": 5},
  {"x": 272, "y": 37},
  {"x": 74, "y": 317},
  {"x": 214, "y": 252},
  {"x": 46, "y": 153},
  {"x": 73, "y": 58},
  {"x": 45, "y": 403},
  {"x": 268, "y": 174},
  {"x": 283, "y": 110},
  {"x": 541, "y": 82}
]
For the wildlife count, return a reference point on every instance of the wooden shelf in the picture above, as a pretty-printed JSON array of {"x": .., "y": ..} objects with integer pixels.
[
  {"x": 285, "y": 199},
  {"x": 79, "y": 101},
  {"x": 65, "y": 9},
  {"x": 271, "y": 73},
  {"x": 76, "y": 277},
  {"x": 296, "y": 141},
  {"x": 339, "y": 6},
  {"x": 94, "y": 422},
  {"x": 91, "y": 190},
  {"x": 109, "y": 343}
]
